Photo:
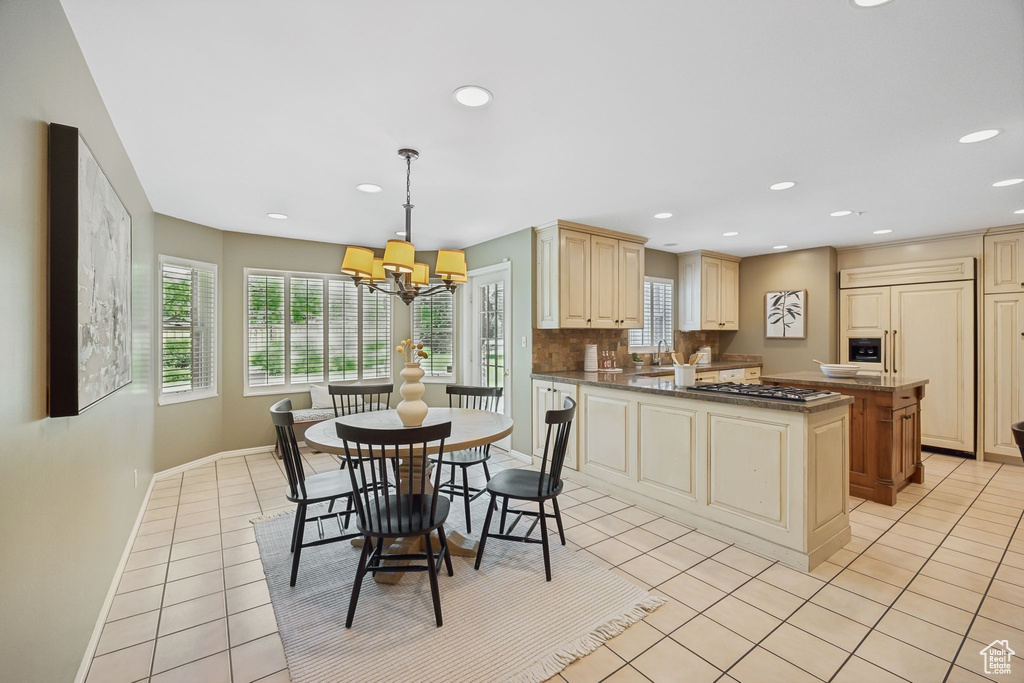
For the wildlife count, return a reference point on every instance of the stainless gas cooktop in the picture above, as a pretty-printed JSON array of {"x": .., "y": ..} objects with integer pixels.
[{"x": 765, "y": 391}]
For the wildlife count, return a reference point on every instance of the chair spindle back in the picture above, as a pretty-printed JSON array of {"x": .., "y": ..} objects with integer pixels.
[
  {"x": 477, "y": 398},
  {"x": 559, "y": 424},
  {"x": 281, "y": 414},
  {"x": 360, "y": 398}
]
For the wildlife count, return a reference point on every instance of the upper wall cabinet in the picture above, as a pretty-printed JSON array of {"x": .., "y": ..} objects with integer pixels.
[
  {"x": 588, "y": 277},
  {"x": 1004, "y": 263},
  {"x": 709, "y": 291}
]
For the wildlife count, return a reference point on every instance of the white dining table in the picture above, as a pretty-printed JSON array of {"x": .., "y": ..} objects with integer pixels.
[{"x": 470, "y": 429}]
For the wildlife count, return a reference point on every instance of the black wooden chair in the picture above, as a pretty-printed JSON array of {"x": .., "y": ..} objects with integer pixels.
[
  {"x": 307, "y": 490},
  {"x": 409, "y": 511},
  {"x": 360, "y": 398},
  {"x": 518, "y": 484},
  {"x": 1018, "y": 436},
  {"x": 477, "y": 398}
]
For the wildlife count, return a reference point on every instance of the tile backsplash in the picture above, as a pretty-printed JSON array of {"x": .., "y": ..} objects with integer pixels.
[{"x": 555, "y": 350}]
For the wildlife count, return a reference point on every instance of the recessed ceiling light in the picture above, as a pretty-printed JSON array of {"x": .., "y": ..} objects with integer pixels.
[
  {"x": 781, "y": 246},
  {"x": 368, "y": 187},
  {"x": 472, "y": 95},
  {"x": 980, "y": 135},
  {"x": 663, "y": 214},
  {"x": 1011, "y": 181},
  {"x": 840, "y": 213},
  {"x": 731, "y": 233},
  {"x": 1019, "y": 211},
  {"x": 868, "y": 4},
  {"x": 784, "y": 185},
  {"x": 277, "y": 216},
  {"x": 881, "y": 232}
]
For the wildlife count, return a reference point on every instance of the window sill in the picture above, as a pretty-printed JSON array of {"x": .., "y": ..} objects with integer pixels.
[
  {"x": 648, "y": 349},
  {"x": 439, "y": 379},
  {"x": 184, "y": 397},
  {"x": 279, "y": 390}
]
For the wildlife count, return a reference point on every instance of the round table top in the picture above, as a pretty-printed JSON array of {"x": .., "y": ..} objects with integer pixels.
[{"x": 470, "y": 428}]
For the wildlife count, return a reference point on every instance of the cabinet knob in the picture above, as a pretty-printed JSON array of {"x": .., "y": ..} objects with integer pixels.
[{"x": 588, "y": 320}]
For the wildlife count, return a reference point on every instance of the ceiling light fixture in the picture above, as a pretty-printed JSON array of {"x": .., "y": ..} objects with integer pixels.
[
  {"x": 369, "y": 188},
  {"x": 277, "y": 216},
  {"x": 881, "y": 232},
  {"x": 411, "y": 279},
  {"x": 663, "y": 214},
  {"x": 472, "y": 96},
  {"x": 781, "y": 246},
  {"x": 979, "y": 136},
  {"x": 731, "y": 233},
  {"x": 1011, "y": 181},
  {"x": 868, "y": 4},
  {"x": 1019, "y": 211},
  {"x": 784, "y": 185},
  {"x": 400, "y": 233},
  {"x": 837, "y": 214},
  {"x": 671, "y": 244}
]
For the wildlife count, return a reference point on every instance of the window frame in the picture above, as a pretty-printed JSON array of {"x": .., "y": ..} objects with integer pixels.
[
  {"x": 190, "y": 394},
  {"x": 449, "y": 378},
  {"x": 296, "y": 388},
  {"x": 648, "y": 316}
]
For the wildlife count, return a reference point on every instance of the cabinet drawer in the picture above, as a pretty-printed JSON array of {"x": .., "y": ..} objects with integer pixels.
[
  {"x": 736, "y": 375},
  {"x": 752, "y": 373},
  {"x": 707, "y": 377}
]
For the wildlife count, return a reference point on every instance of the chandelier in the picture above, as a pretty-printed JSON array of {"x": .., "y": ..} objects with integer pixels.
[{"x": 411, "y": 279}]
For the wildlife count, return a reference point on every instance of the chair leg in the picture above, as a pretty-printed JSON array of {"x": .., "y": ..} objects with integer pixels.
[
  {"x": 504, "y": 512},
  {"x": 376, "y": 554},
  {"x": 558, "y": 520},
  {"x": 360, "y": 573},
  {"x": 544, "y": 541},
  {"x": 350, "y": 508},
  {"x": 432, "y": 571},
  {"x": 301, "y": 526},
  {"x": 483, "y": 535},
  {"x": 444, "y": 549},
  {"x": 487, "y": 472},
  {"x": 330, "y": 508},
  {"x": 465, "y": 499},
  {"x": 451, "y": 484},
  {"x": 295, "y": 528}
]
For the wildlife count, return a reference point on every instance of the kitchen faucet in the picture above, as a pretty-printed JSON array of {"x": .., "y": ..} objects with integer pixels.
[{"x": 657, "y": 356}]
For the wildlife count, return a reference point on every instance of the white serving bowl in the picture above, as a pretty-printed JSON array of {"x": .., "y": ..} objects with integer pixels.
[{"x": 839, "y": 370}]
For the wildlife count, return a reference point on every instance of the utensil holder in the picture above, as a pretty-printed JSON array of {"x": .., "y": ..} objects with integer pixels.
[{"x": 686, "y": 375}]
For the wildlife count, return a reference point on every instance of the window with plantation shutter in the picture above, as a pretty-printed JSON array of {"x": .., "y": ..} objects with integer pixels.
[
  {"x": 311, "y": 328},
  {"x": 657, "y": 318},
  {"x": 188, "y": 330},
  {"x": 433, "y": 325}
]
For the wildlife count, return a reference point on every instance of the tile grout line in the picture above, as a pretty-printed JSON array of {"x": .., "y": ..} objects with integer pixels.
[
  {"x": 916, "y": 574},
  {"x": 984, "y": 596},
  {"x": 167, "y": 571}
]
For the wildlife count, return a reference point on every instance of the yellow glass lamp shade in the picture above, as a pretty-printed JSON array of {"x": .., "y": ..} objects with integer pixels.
[
  {"x": 420, "y": 274},
  {"x": 458, "y": 279},
  {"x": 379, "y": 274},
  {"x": 399, "y": 256},
  {"x": 358, "y": 262},
  {"x": 450, "y": 263}
]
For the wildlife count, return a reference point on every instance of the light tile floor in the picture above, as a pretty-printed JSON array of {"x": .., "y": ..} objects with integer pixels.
[{"x": 920, "y": 589}]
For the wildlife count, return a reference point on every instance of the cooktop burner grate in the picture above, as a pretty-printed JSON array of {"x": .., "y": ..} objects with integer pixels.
[{"x": 766, "y": 391}]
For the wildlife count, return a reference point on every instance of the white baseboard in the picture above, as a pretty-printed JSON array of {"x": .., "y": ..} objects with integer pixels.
[
  {"x": 90, "y": 650},
  {"x": 521, "y": 456}
]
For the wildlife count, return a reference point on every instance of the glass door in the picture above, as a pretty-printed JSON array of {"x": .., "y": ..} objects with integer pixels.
[{"x": 490, "y": 349}]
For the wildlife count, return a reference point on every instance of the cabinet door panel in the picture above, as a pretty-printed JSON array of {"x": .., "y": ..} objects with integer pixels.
[
  {"x": 542, "y": 401},
  {"x": 604, "y": 282},
  {"x": 748, "y": 467},
  {"x": 729, "y": 309},
  {"x": 710, "y": 293},
  {"x": 689, "y": 293},
  {"x": 558, "y": 395},
  {"x": 547, "y": 279},
  {"x": 1004, "y": 371},
  {"x": 605, "y": 436},
  {"x": 574, "y": 279},
  {"x": 933, "y": 338},
  {"x": 864, "y": 313},
  {"x": 631, "y": 285},
  {"x": 666, "y": 442},
  {"x": 1004, "y": 263}
]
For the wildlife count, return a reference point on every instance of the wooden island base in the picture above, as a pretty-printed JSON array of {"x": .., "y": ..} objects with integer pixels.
[{"x": 885, "y": 430}]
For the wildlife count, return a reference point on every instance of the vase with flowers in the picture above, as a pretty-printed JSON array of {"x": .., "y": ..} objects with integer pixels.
[{"x": 411, "y": 410}]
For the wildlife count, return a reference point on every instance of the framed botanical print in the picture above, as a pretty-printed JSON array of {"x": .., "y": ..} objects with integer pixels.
[{"x": 785, "y": 314}]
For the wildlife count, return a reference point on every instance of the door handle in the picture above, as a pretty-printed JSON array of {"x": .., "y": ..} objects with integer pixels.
[
  {"x": 894, "y": 371},
  {"x": 885, "y": 360}
]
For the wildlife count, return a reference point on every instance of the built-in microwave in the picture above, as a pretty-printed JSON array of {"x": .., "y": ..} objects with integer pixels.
[{"x": 866, "y": 350}]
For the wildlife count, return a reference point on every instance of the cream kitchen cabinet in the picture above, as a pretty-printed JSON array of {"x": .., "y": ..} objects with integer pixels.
[
  {"x": 547, "y": 396},
  {"x": 588, "y": 277},
  {"x": 709, "y": 286},
  {"x": 1004, "y": 367},
  {"x": 1004, "y": 263}
]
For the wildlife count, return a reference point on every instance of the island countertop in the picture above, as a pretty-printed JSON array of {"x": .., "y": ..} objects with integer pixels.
[
  {"x": 860, "y": 382},
  {"x": 666, "y": 386}
]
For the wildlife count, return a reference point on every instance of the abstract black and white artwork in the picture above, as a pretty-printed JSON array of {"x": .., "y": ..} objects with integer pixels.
[
  {"x": 90, "y": 278},
  {"x": 784, "y": 314}
]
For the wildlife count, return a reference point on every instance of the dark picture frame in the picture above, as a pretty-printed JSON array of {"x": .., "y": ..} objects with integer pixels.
[{"x": 90, "y": 278}]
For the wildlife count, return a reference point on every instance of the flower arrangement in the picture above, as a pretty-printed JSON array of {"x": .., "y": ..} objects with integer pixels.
[{"x": 411, "y": 352}]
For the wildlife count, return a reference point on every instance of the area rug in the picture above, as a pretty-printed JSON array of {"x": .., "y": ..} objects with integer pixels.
[{"x": 501, "y": 623}]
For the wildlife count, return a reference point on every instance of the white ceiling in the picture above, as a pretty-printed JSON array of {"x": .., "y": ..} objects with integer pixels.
[{"x": 604, "y": 113}]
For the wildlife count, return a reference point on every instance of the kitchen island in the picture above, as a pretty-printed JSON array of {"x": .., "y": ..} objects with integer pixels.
[
  {"x": 767, "y": 474},
  {"x": 885, "y": 429}
]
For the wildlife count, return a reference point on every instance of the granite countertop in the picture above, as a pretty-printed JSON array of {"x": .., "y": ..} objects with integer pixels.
[
  {"x": 666, "y": 386},
  {"x": 713, "y": 366},
  {"x": 816, "y": 378}
]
